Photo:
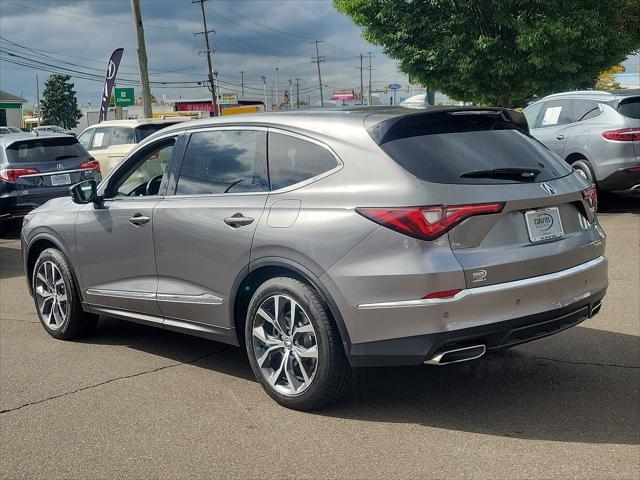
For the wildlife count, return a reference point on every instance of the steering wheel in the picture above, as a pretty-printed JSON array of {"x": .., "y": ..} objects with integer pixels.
[{"x": 153, "y": 185}]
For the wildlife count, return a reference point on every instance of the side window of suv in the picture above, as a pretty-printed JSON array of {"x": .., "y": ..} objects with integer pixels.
[
  {"x": 101, "y": 138},
  {"x": 85, "y": 139},
  {"x": 556, "y": 113},
  {"x": 293, "y": 160},
  {"x": 224, "y": 161},
  {"x": 584, "y": 110}
]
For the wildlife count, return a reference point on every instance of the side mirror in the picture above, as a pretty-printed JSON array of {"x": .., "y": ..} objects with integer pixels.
[{"x": 85, "y": 192}]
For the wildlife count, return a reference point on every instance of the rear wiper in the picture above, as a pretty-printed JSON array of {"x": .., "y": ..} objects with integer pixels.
[
  {"x": 60, "y": 157},
  {"x": 514, "y": 173}
]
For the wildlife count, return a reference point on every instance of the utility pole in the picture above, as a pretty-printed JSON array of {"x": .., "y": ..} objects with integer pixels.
[
  {"x": 370, "y": 67},
  {"x": 361, "y": 68},
  {"x": 298, "y": 92},
  {"x": 38, "y": 100},
  {"x": 317, "y": 59},
  {"x": 209, "y": 52},
  {"x": 242, "y": 82},
  {"x": 290, "y": 94},
  {"x": 277, "y": 98},
  {"x": 142, "y": 59},
  {"x": 264, "y": 85}
]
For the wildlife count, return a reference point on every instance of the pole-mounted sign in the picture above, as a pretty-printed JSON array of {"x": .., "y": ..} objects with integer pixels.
[{"x": 112, "y": 70}]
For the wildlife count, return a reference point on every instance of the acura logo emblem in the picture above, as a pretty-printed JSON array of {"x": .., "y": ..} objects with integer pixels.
[
  {"x": 59, "y": 166},
  {"x": 548, "y": 188}
]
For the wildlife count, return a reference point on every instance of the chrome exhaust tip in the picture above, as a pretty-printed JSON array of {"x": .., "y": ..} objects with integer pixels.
[
  {"x": 456, "y": 355},
  {"x": 595, "y": 309}
]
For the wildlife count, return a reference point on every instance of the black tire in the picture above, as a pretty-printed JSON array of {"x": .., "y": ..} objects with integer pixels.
[
  {"x": 77, "y": 323},
  {"x": 583, "y": 165},
  {"x": 333, "y": 374}
]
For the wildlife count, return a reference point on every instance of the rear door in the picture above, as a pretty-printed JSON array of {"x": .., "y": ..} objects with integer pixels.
[
  {"x": 553, "y": 123},
  {"x": 545, "y": 225},
  {"x": 203, "y": 233}
]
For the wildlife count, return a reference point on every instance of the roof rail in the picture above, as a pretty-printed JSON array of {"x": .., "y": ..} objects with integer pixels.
[{"x": 580, "y": 92}]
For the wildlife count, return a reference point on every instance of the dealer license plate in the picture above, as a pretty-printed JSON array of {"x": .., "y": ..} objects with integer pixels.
[
  {"x": 62, "y": 179},
  {"x": 544, "y": 224}
]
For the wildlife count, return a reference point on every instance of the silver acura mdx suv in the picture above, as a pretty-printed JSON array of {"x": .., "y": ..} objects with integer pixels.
[
  {"x": 323, "y": 241},
  {"x": 597, "y": 133}
]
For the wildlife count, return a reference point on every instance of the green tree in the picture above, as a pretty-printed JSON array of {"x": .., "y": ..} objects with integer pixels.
[
  {"x": 500, "y": 51},
  {"x": 59, "y": 102},
  {"x": 607, "y": 79}
]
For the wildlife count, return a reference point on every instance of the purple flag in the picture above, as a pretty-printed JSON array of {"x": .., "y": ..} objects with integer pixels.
[{"x": 112, "y": 69}]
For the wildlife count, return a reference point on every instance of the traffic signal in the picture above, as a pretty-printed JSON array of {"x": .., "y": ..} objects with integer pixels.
[{"x": 406, "y": 89}]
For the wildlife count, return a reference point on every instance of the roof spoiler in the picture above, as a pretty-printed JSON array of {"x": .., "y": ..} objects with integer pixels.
[{"x": 438, "y": 120}]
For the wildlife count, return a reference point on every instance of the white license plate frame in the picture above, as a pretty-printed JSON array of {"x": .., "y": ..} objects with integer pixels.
[
  {"x": 543, "y": 224},
  {"x": 60, "y": 180}
]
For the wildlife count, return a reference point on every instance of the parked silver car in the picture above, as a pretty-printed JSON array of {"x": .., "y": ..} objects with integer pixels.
[
  {"x": 324, "y": 241},
  {"x": 598, "y": 133}
]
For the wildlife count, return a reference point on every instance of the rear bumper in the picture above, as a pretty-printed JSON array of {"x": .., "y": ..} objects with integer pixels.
[
  {"x": 495, "y": 336},
  {"x": 17, "y": 203},
  {"x": 408, "y": 332},
  {"x": 620, "y": 180}
]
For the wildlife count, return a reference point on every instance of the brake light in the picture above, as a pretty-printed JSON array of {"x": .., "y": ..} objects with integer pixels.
[
  {"x": 11, "y": 174},
  {"x": 591, "y": 196},
  {"x": 623, "y": 134},
  {"x": 443, "y": 294},
  {"x": 90, "y": 164},
  {"x": 427, "y": 223},
  {"x": 633, "y": 170}
]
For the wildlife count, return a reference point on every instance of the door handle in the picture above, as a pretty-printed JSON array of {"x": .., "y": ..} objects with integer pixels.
[
  {"x": 560, "y": 137},
  {"x": 238, "y": 220},
  {"x": 138, "y": 219}
]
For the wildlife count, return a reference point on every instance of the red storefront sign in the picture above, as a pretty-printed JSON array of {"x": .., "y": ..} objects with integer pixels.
[{"x": 194, "y": 106}]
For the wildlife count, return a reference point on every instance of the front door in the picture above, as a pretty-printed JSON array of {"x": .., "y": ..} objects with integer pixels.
[
  {"x": 116, "y": 255},
  {"x": 203, "y": 233}
]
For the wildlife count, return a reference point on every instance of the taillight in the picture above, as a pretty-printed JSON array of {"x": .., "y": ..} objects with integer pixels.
[
  {"x": 633, "y": 170},
  {"x": 591, "y": 196},
  {"x": 427, "y": 223},
  {"x": 623, "y": 134},
  {"x": 11, "y": 174},
  {"x": 90, "y": 164}
]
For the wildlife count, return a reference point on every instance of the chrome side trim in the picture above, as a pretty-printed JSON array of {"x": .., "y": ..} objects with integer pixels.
[
  {"x": 121, "y": 294},
  {"x": 202, "y": 299},
  {"x": 526, "y": 282},
  {"x": 57, "y": 172}
]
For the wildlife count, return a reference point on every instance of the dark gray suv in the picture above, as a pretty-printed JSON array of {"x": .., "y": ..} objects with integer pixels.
[{"x": 323, "y": 241}]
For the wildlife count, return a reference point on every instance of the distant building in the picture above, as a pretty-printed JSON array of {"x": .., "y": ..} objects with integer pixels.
[{"x": 11, "y": 110}]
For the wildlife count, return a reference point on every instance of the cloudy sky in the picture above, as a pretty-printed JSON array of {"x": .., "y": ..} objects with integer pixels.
[{"x": 251, "y": 35}]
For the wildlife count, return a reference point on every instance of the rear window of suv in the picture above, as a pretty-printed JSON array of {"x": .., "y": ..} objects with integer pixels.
[
  {"x": 630, "y": 107},
  {"x": 443, "y": 148},
  {"x": 44, "y": 149}
]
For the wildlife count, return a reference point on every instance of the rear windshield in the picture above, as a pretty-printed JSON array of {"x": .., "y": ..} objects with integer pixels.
[
  {"x": 44, "y": 149},
  {"x": 445, "y": 157},
  {"x": 630, "y": 107},
  {"x": 143, "y": 131}
]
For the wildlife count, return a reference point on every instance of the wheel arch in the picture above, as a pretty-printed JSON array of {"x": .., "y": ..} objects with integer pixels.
[
  {"x": 36, "y": 246},
  {"x": 265, "y": 268}
]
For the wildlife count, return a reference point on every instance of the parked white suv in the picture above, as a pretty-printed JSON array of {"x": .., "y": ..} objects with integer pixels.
[{"x": 109, "y": 141}]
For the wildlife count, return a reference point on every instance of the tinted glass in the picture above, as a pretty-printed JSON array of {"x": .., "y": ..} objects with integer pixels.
[
  {"x": 107, "y": 136},
  {"x": 584, "y": 110},
  {"x": 556, "y": 113},
  {"x": 443, "y": 158},
  {"x": 44, "y": 149},
  {"x": 143, "y": 131},
  {"x": 630, "y": 107},
  {"x": 292, "y": 160},
  {"x": 224, "y": 161}
]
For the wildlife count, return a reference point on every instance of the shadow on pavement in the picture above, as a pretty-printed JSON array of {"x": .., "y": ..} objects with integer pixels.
[
  {"x": 588, "y": 396},
  {"x": 621, "y": 203}
]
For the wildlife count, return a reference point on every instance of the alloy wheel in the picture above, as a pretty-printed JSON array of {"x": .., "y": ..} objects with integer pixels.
[
  {"x": 51, "y": 295},
  {"x": 285, "y": 345}
]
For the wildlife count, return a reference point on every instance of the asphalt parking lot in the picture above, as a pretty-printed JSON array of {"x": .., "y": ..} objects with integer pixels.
[{"x": 137, "y": 402}]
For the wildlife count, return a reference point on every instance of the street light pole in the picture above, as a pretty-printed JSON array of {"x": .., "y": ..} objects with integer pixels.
[
  {"x": 264, "y": 85},
  {"x": 242, "y": 81},
  {"x": 290, "y": 94}
]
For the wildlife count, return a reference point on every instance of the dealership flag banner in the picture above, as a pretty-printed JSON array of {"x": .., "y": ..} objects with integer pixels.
[{"x": 112, "y": 69}]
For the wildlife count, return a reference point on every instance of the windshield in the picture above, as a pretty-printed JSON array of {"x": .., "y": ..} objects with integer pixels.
[
  {"x": 44, "y": 149},
  {"x": 630, "y": 107}
]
